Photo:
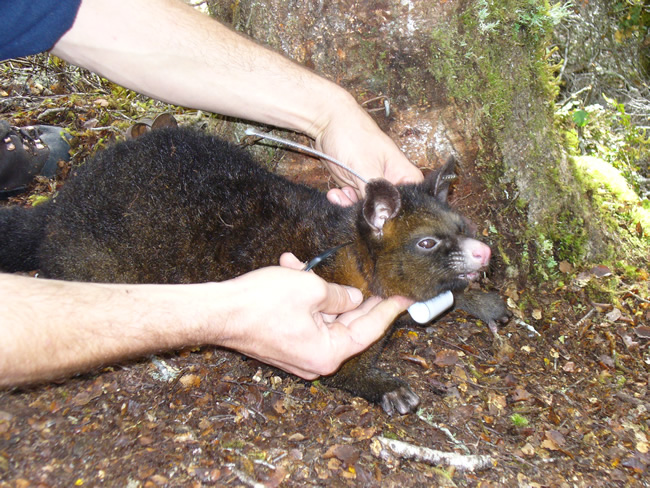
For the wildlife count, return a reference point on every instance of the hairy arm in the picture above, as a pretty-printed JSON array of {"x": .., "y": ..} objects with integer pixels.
[
  {"x": 171, "y": 52},
  {"x": 51, "y": 329}
]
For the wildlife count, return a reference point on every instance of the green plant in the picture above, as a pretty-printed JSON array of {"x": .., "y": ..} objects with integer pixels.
[{"x": 519, "y": 421}]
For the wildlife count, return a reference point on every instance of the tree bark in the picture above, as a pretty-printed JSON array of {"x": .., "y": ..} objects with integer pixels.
[{"x": 462, "y": 77}]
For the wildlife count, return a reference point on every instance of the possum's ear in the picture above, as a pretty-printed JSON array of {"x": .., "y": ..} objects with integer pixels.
[
  {"x": 440, "y": 179},
  {"x": 382, "y": 203}
]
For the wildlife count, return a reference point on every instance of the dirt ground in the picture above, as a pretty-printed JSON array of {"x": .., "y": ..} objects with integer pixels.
[{"x": 560, "y": 398}]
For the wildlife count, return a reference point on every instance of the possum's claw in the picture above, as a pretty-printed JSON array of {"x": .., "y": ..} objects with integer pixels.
[{"x": 402, "y": 400}]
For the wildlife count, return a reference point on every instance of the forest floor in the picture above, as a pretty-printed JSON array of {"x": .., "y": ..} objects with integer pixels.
[{"x": 560, "y": 398}]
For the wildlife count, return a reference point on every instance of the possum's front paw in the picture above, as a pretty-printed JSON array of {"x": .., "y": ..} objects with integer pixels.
[
  {"x": 402, "y": 400},
  {"x": 489, "y": 307}
]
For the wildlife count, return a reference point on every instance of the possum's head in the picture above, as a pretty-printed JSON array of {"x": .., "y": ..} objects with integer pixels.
[{"x": 418, "y": 245}]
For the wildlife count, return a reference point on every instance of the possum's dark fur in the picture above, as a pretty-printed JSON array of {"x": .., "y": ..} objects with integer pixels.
[{"x": 177, "y": 206}]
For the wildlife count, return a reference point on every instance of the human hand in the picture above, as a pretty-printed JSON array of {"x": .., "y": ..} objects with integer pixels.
[
  {"x": 352, "y": 137},
  {"x": 298, "y": 322}
]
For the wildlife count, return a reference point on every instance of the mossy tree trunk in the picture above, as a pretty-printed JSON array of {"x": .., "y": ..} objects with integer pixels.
[{"x": 463, "y": 77}]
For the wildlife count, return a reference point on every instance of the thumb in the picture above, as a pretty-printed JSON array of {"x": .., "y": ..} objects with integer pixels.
[
  {"x": 370, "y": 327},
  {"x": 289, "y": 260}
]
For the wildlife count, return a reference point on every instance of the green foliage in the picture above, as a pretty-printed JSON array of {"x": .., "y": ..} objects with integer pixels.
[
  {"x": 580, "y": 117},
  {"x": 538, "y": 19},
  {"x": 606, "y": 133},
  {"x": 519, "y": 421},
  {"x": 633, "y": 18}
]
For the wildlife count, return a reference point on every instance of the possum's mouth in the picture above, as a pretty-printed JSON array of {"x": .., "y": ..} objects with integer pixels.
[{"x": 473, "y": 276}]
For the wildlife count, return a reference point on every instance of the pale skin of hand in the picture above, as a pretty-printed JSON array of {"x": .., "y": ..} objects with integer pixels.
[
  {"x": 167, "y": 50},
  {"x": 51, "y": 329}
]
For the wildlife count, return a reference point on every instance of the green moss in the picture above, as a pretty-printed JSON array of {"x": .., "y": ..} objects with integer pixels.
[
  {"x": 618, "y": 205},
  {"x": 489, "y": 68},
  {"x": 494, "y": 55}
]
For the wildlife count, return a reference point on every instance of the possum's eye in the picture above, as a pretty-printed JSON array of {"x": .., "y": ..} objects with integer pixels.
[{"x": 428, "y": 243}]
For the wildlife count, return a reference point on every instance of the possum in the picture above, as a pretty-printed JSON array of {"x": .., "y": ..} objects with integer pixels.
[{"x": 180, "y": 206}]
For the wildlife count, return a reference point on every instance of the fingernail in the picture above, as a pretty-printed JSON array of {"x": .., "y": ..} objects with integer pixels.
[
  {"x": 350, "y": 193},
  {"x": 355, "y": 294},
  {"x": 334, "y": 198}
]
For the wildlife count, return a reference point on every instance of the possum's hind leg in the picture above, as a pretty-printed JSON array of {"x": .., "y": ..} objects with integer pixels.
[{"x": 360, "y": 377}]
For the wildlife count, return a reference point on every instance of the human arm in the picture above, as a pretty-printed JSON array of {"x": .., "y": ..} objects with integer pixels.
[
  {"x": 171, "y": 52},
  {"x": 51, "y": 329}
]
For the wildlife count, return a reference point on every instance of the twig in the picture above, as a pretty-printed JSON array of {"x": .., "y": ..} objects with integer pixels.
[
  {"x": 589, "y": 314},
  {"x": 444, "y": 430},
  {"x": 528, "y": 326},
  {"x": 387, "y": 449},
  {"x": 638, "y": 297},
  {"x": 243, "y": 477}
]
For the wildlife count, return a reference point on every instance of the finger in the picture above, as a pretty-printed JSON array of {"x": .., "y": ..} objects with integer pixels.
[
  {"x": 403, "y": 173},
  {"x": 288, "y": 260},
  {"x": 339, "y": 196},
  {"x": 303, "y": 373},
  {"x": 348, "y": 317},
  {"x": 370, "y": 327},
  {"x": 340, "y": 299}
]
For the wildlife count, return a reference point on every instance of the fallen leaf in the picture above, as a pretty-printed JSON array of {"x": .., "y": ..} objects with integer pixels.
[
  {"x": 511, "y": 292},
  {"x": 159, "y": 480},
  {"x": 334, "y": 464},
  {"x": 600, "y": 271},
  {"x": 446, "y": 357},
  {"x": 569, "y": 367},
  {"x": 184, "y": 438},
  {"x": 556, "y": 437},
  {"x": 549, "y": 444},
  {"x": 190, "y": 381},
  {"x": 634, "y": 464},
  {"x": 537, "y": 314},
  {"x": 614, "y": 315},
  {"x": 642, "y": 331},
  {"x": 145, "y": 440},
  {"x": 279, "y": 407},
  {"x": 346, "y": 453},
  {"x": 414, "y": 358},
  {"x": 361, "y": 434},
  {"x": 496, "y": 403},
  {"x": 630, "y": 344},
  {"x": 528, "y": 450},
  {"x": 506, "y": 353},
  {"x": 606, "y": 361},
  {"x": 101, "y": 102},
  {"x": 520, "y": 395}
]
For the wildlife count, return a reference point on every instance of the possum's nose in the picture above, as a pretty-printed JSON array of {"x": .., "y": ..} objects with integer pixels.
[{"x": 478, "y": 252}]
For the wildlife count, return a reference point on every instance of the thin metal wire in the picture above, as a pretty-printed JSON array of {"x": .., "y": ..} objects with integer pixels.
[{"x": 265, "y": 135}]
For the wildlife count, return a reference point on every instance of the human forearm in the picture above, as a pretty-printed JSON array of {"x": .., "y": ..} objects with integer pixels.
[
  {"x": 167, "y": 50},
  {"x": 288, "y": 318},
  {"x": 50, "y": 329},
  {"x": 187, "y": 58}
]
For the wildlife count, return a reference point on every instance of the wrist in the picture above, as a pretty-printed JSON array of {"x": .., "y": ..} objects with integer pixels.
[{"x": 333, "y": 102}]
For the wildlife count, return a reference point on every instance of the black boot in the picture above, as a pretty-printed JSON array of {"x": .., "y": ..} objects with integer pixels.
[{"x": 26, "y": 152}]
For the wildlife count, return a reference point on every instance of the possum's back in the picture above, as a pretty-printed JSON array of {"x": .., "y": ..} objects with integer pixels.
[{"x": 177, "y": 206}]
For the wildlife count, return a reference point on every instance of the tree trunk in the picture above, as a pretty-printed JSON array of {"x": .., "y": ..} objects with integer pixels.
[{"x": 462, "y": 77}]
